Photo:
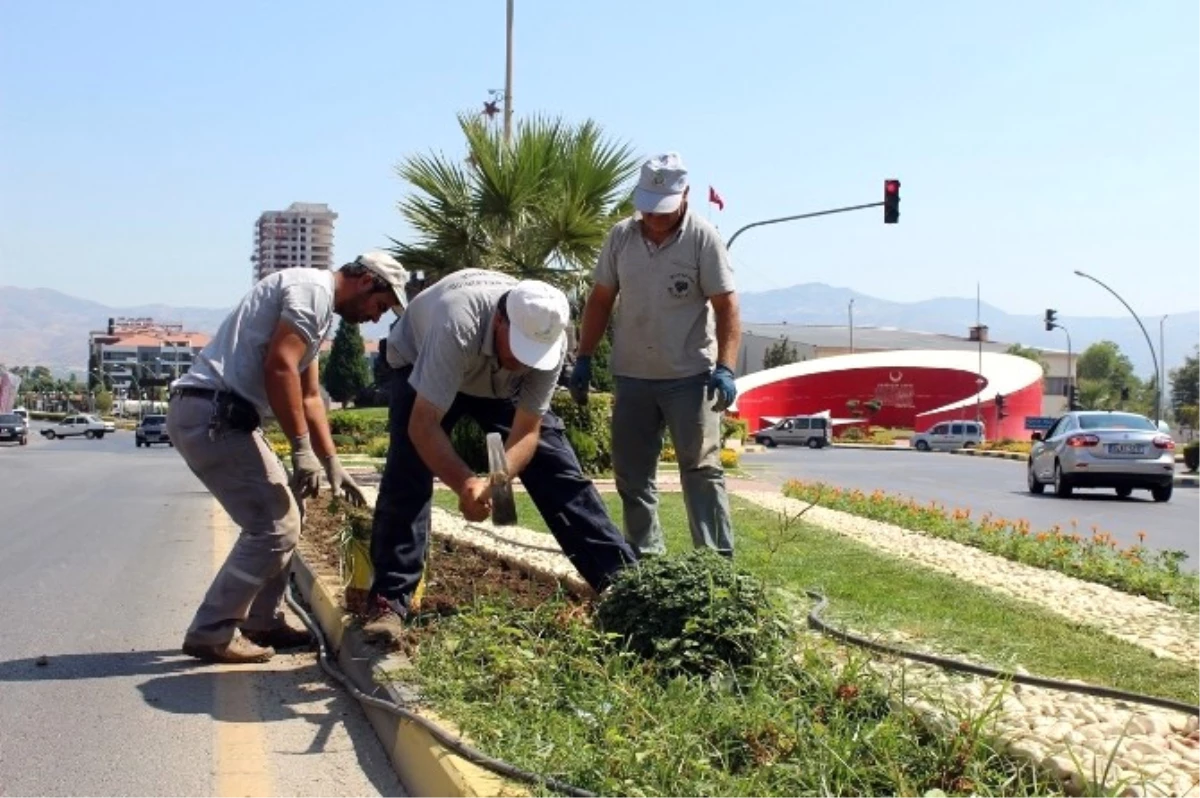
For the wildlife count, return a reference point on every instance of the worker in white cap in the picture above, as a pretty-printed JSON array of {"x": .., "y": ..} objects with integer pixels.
[
  {"x": 486, "y": 345},
  {"x": 263, "y": 362},
  {"x": 676, "y": 335}
]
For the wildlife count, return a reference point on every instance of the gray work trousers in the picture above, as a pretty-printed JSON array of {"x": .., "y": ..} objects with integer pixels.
[
  {"x": 245, "y": 476},
  {"x": 641, "y": 410}
]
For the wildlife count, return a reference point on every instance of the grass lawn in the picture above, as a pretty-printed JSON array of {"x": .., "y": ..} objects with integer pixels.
[{"x": 871, "y": 592}]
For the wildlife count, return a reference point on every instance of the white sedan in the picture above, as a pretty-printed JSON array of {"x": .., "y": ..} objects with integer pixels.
[{"x": 88, "y": 426}]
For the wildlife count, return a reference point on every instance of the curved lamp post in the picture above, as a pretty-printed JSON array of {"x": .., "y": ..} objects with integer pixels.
[{"x": 1149, "y": 343}]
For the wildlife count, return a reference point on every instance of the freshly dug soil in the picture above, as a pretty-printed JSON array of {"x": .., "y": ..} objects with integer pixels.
[{"x": 455, "y": 575}]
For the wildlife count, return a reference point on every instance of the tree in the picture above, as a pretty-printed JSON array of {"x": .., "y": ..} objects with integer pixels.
[
  {"x": 539, "y": 208},
  {"x": 1108, "y": 374},
  {"x": 1185, "y": 382},
  {"x": 1029, "y": 353},
  {"x": 346, "y": 372},
  {"x": 780, "y": 354}
]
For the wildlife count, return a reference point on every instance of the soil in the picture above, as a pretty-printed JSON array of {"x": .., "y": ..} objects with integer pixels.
[{"x": 455, "y": 575}]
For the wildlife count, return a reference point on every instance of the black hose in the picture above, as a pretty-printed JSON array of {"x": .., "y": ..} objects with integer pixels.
[
  {"x": 814, "y": 620},
  {"x": 455, "y": 744}
]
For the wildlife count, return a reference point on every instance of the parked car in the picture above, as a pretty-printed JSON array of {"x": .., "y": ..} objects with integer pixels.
[
  {"x": 88, "y": 426},
  {"x": 815, "y": 432},
  {"x": 1102, "y": 449},
  {"x": 152, "y": 429},
  {"x": 13, "y": 429},
  {"x": 950, "y": 435}
]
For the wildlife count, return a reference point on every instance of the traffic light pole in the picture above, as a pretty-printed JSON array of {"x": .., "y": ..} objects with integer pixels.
[
  {"x": 1070, "y": 374},
  {"x": 741, "y": 230}
]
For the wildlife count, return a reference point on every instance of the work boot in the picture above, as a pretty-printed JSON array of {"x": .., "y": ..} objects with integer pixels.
[
  {"x": 281, "y": 637},
  {"x": 237, "y": 651},
  {"x": 385, "y": 616}
]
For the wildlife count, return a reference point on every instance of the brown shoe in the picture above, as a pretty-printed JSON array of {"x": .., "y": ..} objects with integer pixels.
[
  {"x": 280, "y": 637},
  {"x": 237, "y": 651}
]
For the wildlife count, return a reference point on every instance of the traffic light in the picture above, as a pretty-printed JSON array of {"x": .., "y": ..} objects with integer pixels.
[
  {"x": 1072, "y": 397},
  {"x": 1000, "y": 411},
  {"x": 1051, "y": 319},
  {"x": 891, "y": 201}
]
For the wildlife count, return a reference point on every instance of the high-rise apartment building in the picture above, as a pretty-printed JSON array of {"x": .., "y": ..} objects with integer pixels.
[{"x": 300, "y": 236}]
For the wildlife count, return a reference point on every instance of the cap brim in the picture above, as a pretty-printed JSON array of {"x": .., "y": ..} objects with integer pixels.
[
  {"x": 650, "y": 202},
  {"x": 534, "y": 354}
]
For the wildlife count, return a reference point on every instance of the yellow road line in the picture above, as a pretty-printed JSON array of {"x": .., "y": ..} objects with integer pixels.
[{"x": 240, "y": 766}]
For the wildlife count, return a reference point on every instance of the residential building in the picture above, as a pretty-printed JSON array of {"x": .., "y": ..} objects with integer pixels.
[
  {"x": 133, "y": 352},
  {"x": 301, "y": 236},
  {"x": 820, "y": 341}
]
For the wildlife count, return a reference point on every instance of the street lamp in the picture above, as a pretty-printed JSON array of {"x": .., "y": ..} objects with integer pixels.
[
  {"x": 852, "y": 326},
  {"x": 1158, "y": 387},
  {"x": 1162, "y": 354}
]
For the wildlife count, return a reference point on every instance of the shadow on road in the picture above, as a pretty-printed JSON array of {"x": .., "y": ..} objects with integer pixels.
[
  {"x": 1087, "y": 497},
  {"x": 289, "y": 687}
]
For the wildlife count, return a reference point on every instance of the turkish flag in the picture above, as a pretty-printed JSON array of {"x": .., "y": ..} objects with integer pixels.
[{"x": 715, "y": 198}]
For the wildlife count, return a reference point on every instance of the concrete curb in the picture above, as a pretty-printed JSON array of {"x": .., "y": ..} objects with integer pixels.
[
  {"x": 873, "y": 447},
  {"x": 997, "y": 455},
  {"x": 423, "y": 765},
  {"x": 1181, "y": 480}
]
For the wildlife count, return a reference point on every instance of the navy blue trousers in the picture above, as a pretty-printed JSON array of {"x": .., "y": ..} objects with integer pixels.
[{"x": 566, "y": 499}]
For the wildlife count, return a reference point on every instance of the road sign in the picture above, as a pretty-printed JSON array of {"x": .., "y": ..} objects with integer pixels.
[{"x": 1039, "y": 422}]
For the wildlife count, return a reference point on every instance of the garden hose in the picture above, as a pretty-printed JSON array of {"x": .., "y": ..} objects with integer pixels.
[
  {"x": 451, "y": 742},
  {"x": 814, "y": 620}
]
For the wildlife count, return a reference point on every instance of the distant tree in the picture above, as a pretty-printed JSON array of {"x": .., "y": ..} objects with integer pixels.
[
  {"x": 104, "y": 402},
  {"x": 780, "y": 353},
  {"x": 1185, "y": 382},
  {"x": 346, "y": 373},
  {"x": 1029, "y": 353}
]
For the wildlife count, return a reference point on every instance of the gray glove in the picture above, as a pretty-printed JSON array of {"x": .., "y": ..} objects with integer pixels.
[
  {"x": 306, "y": 468},
  {"x": 341, "y": 484}
]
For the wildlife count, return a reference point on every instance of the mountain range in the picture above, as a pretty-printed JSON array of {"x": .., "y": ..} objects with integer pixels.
[{"x": 47, "y": 327}]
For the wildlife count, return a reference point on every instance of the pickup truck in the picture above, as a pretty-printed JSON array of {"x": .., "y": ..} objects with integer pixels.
[{"x": 82, "y": 424}]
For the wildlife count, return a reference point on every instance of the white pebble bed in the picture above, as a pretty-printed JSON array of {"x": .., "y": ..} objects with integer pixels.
[{"x": 1167, "y": 632}]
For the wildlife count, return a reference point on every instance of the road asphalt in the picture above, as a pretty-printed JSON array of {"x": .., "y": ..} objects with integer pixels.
[
  {"x": 105, "y": 550},
  {"x": 984, "y": 484}
]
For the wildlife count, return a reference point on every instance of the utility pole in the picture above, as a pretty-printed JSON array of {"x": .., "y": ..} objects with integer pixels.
[
  {"x": 852, "y": 325},
  {"x": 1162, "y": 370},
  {"x": 508, "y": 72}
]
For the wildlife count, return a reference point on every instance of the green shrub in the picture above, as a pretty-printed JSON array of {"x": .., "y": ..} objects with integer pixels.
[
  {"x": 469, "y": 441},
  {"x": 378, "y": 446},
  {"x": 693, "y": 613},
  {"x": 361, "y": 424},
  {"x": 1191, "y": 455},
  {"x": 344, "y": 443},
  {"x": 593, "y": 421},
  {"x": 852, "y": 434},
  {"x": 734, "y": 428}
]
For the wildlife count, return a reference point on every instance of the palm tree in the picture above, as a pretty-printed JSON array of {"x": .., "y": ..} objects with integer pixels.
[{"x": 539, "y": 208}]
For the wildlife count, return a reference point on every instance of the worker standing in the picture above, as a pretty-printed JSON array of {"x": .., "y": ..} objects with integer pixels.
[
  {"x": 262, "y": 362},
  {"x": 676, "y": 335},
  {"x": 482, "y": 344}
]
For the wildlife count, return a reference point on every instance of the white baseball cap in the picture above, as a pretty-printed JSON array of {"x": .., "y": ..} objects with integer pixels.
[
  {"x": 389, "y": 269},
  {"x": 661, "y": 185},
  {"x": 537, "y": 320}
]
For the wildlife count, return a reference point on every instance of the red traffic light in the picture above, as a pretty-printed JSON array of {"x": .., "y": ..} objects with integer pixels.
[{"x": 891, "y": 186}]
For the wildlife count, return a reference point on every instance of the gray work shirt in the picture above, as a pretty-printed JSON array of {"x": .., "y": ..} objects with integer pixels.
[
  {"x": 233, "y": 360},
  {"x": 446, "y": 336},
  {"x": 664, "y": 327}
]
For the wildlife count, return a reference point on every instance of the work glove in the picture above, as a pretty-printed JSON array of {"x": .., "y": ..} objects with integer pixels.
[
  {"x": 340, "y": 483},
  {"x": 721, "y": 386},
  {"x": 581, "y": 379},
  {"x": 306, "y": 468}
]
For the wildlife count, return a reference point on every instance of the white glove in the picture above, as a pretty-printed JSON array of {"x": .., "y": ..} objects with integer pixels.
[
  {"x": 306, "y": 468},
  {"x": 341, "y": 484}
]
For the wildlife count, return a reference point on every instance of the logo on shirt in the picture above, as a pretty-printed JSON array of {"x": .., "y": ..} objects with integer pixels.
[{"x": 680, "y": 285}]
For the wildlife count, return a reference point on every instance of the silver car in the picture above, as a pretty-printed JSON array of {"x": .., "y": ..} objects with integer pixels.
[{"x": 1102, "y": 449}]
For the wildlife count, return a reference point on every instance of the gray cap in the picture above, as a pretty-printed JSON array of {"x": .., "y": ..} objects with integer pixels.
[
  {"x": 660, "y": 188},
  {"x": 387, "y": 267}
]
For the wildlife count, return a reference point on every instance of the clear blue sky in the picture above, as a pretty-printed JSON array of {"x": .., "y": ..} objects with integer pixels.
[{"x": 139, "y": 141}]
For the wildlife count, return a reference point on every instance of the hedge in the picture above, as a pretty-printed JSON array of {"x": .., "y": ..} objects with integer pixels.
[{"x": 1191, "y": 456}]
